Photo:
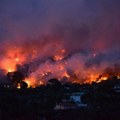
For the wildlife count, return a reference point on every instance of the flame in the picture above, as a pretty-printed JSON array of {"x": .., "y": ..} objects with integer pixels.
[
  {"x": 18, "y": 86},
  {"x": 15, "y": 56},
  {"x": 29, "y": 82},
  {"x": 96, "y": 78},
  {"x": 41, "y": 83},
  {"x": 17, "y": 59},
  {"x": 104, "y": 78},
  {"x": 118, "y": 76},
  {"x": 9, "y": 65},
  {"x": 65, "y": 74},
  {"x": 11, "y": 58},
  {"x": 32, "y": 82},
  {"x": 58, "y": 57}
]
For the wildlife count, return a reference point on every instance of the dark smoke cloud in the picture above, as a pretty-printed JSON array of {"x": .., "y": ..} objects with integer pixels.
[
  {"x": 81, "y": 24},
  {"x": 47, "y": 26}
]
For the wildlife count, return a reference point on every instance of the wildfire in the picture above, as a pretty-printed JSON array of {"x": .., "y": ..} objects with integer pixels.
[
  {"x": 14, "y": 56},
  {"x": 9, "y": 65},
  {"x": 58, "y": 57},
  {"x": 17, "y": 59},
  {"x": 118, "y": 76},
  {"x": 63, "y": 51},
  {"x": 61, "y": 67},
  {"x": 29, "y": 82},
  {"x": 11, "y": 58},
  {"x": 18, "y": 86},
  {"x": 96, "y": 78},
  {"x": 104, "y": 78},
  {"x": 41, "y": 83},
  {"x": 32, "y": 82},
  {"x": 57, "y": 68},
  {"x": 65, "y": 74}
]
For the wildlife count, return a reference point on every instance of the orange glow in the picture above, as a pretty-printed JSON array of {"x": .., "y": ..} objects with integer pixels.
[
  {"x": 18, "y": 87},
  {"x": 14, "y": 56},
  {"x": 9, "y": 65},
  {"x": 101, "y": 79},
  {"x": 10, "y": 70},
  {"x": 63, "y": 51},
  {"x": 58, "y": 57},
  {"x": 32, "y": 82},
  {"x": 118, "y": 76},
  {"x": 96, "y": 78},
  {"x": 11, "y": 58},
  {"x": 104, "y": 78},
  {"x": 66, "y": 75},
  {"x": 92, "y": 78},
  {"x": 17, "y": 59},
  {"x": 61, "y": 67},
  {"x": 41, "y": 83}
]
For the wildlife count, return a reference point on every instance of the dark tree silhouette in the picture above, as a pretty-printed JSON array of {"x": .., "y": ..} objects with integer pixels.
[
  {"x": 23, "y": 84},
  {"x": 54, "y": 83},
  {"x": 16, "y": 78}
]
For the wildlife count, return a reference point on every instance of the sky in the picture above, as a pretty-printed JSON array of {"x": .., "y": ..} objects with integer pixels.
[
  {"x": 87, "y": 32},
  {"x": 91, "y": 25}
]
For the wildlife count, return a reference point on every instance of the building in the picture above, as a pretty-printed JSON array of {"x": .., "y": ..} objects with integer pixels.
[{"x": 73, "y": 101}]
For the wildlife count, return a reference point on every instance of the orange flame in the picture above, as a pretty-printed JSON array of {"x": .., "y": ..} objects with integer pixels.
[
  {"x": 18, "y": 86},
  {"x": 58, "y": 57}
]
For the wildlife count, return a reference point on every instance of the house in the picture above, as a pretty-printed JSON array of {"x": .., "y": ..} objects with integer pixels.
[
  {"x": 76, "y": 98},
  {"x": 65, "y": 106},
  {"x": 73, "y": 101},
  {"x": 117, "y": 88}
]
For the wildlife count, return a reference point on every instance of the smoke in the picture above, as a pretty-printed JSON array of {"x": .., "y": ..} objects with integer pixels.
[
  {"x": 33, "y": 32},
  {"x": 79, "y": 24}
]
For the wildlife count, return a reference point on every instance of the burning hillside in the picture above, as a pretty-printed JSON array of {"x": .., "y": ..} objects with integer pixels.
[{"x": 21, "y": 67}]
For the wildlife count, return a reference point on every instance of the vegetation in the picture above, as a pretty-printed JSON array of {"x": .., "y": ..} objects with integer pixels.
[{"x": 33, "y": 104}]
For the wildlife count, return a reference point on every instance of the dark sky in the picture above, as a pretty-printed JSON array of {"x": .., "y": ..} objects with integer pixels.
[{"x": 80, "y": 24}]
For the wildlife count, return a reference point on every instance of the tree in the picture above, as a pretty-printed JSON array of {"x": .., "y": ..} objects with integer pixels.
[
  {"x": 16, "y": 78},
  {"x": 23, "y": 84},
  {"x": 54, "y": 83}
]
